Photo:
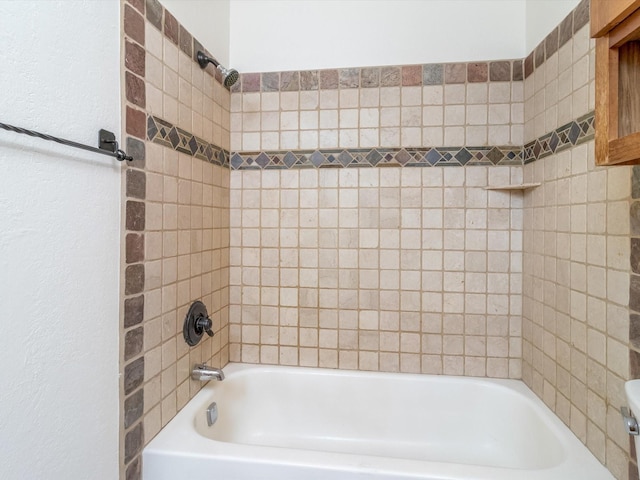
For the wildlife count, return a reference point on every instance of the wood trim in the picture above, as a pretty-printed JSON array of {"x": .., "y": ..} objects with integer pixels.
[
  {"x": 627, "y": 31},
  {"x": 613, "y": 74},
  {"x": 628, "y": 92},
  {"x": 624, "y": 150},
  {"x": 603, "y": 111},
  {"x": 616, "y": 24},
  {"x": 606, "y": 14}
]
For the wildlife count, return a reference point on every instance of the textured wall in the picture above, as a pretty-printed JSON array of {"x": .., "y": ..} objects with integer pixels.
[{"x": 59, "y": 242}]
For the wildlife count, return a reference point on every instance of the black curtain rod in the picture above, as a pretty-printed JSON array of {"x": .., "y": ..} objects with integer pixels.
[{"x": 106, "y": 141}]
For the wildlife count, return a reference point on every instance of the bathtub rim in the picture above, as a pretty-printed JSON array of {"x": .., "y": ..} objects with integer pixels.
[{"x": 181, "y": 438}]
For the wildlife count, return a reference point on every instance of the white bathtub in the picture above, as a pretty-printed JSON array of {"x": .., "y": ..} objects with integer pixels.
[{"x": 289, "y": 423}]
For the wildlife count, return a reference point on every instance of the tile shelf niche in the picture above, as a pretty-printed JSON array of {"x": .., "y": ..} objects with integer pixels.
[{"x": 519, "y": 186}]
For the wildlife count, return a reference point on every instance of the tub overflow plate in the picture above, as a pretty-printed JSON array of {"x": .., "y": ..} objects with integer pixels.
[{"x": 212, "y": 413}]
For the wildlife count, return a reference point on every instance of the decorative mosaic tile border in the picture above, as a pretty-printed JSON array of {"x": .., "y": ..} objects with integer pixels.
[
  {"x": 378, "y": 157},
  {"x": 387, "y": 76},
  {"x": 167, "y": 134},
  {"x": 573, "y": 133}
]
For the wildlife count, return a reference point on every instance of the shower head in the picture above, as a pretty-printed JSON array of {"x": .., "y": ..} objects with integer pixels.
[{"x": 229, "y": 75}]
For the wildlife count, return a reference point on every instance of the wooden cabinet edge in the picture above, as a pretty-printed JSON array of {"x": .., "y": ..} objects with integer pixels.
[
  {"x": 603, "y": 108},
  {"x": 626, "y": 31},
  {"x": 625, "y": 150},
  {"x": 610, "y": 148},
  {"x": 603, "y": 16}
]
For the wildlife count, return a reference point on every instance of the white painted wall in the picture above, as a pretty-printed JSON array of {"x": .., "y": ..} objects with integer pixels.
[
  {"x": 310, "y": 34},
  {"x": 278, "y": 35},
  {"x": 543, "y": 16},
  {"x": 59, "y": 242},
  {"x": 208, "y": 21}
]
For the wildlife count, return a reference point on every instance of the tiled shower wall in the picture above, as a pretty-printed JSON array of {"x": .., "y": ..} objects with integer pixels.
[
  {"x": 176, "y": 240},
  {"x": 410, "y": 106},
  {"x": 391, "y": 269},
  {"x": 576, "y": 254},
  {"x": 377, "y": 269}
]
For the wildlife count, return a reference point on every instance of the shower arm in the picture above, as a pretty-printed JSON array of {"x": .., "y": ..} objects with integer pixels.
[
  {"x": 203, "y": 60},
  {"x": 229, "y": 75}
]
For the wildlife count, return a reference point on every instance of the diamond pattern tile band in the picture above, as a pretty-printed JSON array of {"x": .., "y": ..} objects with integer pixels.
[
  {"x": 573, "y": 133},
  {"x": 164, "y": 133},
  {"x": 378, "y": 157}
]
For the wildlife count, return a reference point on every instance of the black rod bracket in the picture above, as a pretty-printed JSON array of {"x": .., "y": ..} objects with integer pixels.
[
  {"x": 107, "y": 141},
  {"x": 107, "y": 144}
]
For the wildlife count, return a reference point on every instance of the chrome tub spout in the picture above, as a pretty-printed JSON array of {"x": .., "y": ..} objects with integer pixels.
[{"x": 205, "y": 373}]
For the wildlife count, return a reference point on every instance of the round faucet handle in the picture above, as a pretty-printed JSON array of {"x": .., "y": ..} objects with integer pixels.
[
  {"x": 196, "y": 323},
  {"x": 204, "y": 324}
]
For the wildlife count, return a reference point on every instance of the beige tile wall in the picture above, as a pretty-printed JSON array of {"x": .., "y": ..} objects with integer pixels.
[
  {"x": 562, "y": 89},
  {"x": 411, "y": 270},
  {"x": 183, "y": 234},
  {"x": 475, "y": 114},
  {"x": 186, "y": 233},
  {"x": 576, "y": 265},
  {"x": 186, "y": 259},
  {"x": 181, "y": 93}
]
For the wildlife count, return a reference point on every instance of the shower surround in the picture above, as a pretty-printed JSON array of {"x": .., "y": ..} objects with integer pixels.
[
  {"x": 338, "y": 241},
  {"x": 421, "y": 269},
  {"x": 392, "y": 269}
]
